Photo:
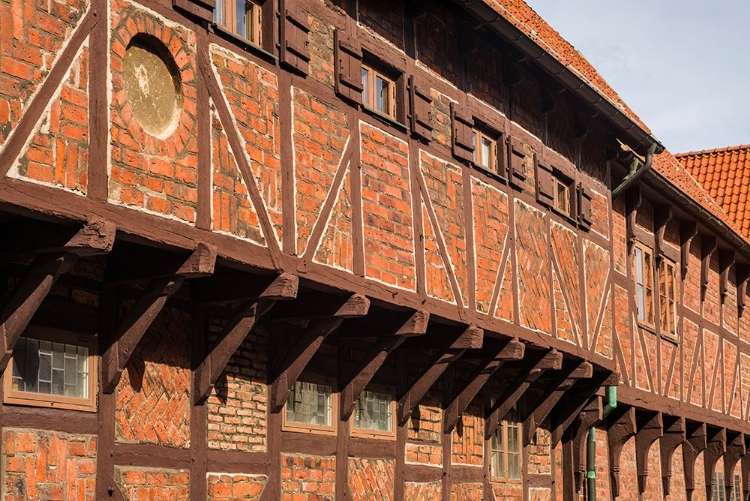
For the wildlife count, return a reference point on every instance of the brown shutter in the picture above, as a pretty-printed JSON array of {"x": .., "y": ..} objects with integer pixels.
[
  {"x": 348, "y": 59},
  {"x": 420, "y": 106},
  {"x": 584, "y": 207},
  {"x": 463, "y": 125},
  {"x": 545, "y": 188},
  {"x": 294, "y": 51},
  {"x": 516, "y": 162},
  {"x": 201, "y": 9}
]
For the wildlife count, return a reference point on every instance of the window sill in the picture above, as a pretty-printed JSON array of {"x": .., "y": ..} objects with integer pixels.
[
  {"x": 243, "y": 42},
  {"x": 386, "y": 119},
  {"x": 650, "y": 328},
  {"x": 489, "y": 173},
  {"x": 671, "y": 338}
]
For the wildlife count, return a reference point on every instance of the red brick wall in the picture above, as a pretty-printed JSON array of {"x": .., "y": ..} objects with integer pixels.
[
  {"x": 468, "y": 438},
  {"x": 441, "y": 118},
  {"x": 371, "y": 478},
  {"x": 566, "y": 283},
  {"x": 533, "y": 268},
  {"x": 596, "y": 267},
  {"x": 461, "y": 491},
  {"x": 48, "y": 465},
  {"x": 539, "y": 452},
  {"x": 321, "y": 50},
  {"x": 423, "y": 491},
  {"x": 438, "y": 53},
  {"x": 235, "y": 487},
  {"x": 308, "y": 478},
  {"x": 148, "y": 483}
]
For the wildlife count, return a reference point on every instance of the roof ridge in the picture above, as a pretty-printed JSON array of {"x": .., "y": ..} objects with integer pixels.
[{"x": 725, "y": 149}]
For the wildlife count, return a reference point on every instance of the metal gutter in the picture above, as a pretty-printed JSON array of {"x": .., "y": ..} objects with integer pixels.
[{"x": 642, "y": 139}]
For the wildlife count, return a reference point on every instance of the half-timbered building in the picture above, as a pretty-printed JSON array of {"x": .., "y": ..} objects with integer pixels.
[{"x": 351, "y": 249}]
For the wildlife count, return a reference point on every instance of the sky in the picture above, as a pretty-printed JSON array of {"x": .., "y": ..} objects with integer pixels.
[{"x": 683, "y": 66}]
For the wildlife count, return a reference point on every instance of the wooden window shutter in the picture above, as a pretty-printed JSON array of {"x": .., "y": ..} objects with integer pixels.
[
  {"x": 294, "y": 51},
  {"x": 516, "y": 162},
  {"x": 348, "y": 70},
  {"x": 201, "y": 9},
  {"x": 420, "y": 108},
  {"x": 545, "y": 187},
  {"x": 584, "y": 206},
  {"x": 463, "y": 125}
]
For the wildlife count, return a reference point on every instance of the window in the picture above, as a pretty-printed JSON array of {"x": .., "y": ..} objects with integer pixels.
[
  {"x": 505, "y": 446},
  {"x": 644, "y": 284},
  {"x": 718, "y": 492},
  {"x": 485, "y": 150},
  {"x": 373, "y": 414},
  {"x": 52, "y": 369},
  {"x": 310, "y": 406},
  {"x": 668, "y": 296},
  {"x": 378, "y": 92},
  {"x": 241, "y": 17},
  {"x": 561, "y": 193}
]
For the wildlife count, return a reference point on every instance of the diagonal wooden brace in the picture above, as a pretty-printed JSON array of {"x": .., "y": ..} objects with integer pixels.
[
  {"x": 566, "y": 411},
  {"x": 620, "y": 430},
  {"x": 695, "y": 444},
  {"x": 409, "y": 401},
  {"x": 512, "y": 349},
  {"x": 648, "y": 432},
  {"x": 674, "y": 435},
  {"x": 128, "y": 334},
  {"x": 540, "y": 361},
  {"x": 29, "y": 239},
  {"x": 17, "y": 313}
]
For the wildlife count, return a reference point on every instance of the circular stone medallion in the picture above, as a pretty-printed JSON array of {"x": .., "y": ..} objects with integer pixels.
[{"x": 152, "y": 88}]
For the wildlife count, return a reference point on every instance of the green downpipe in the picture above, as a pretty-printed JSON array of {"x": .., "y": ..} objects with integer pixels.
[{"x": 591, "y": 444}]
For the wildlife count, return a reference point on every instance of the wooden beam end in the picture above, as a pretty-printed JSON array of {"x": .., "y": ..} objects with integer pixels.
[{"x": 284, "y": 287}]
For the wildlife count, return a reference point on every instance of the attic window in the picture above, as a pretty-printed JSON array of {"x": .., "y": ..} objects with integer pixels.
[{"x": 378, "y": 91}]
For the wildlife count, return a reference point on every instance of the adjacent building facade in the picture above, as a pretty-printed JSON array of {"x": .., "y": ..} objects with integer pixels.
[{"x": 352, "y": 249}]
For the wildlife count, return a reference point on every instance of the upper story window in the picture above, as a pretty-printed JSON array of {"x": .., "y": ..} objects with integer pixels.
[
  {"x": 485, "y": 150},
  {"x": 644, "y": 284},
  {"x": 241, "y": 17},
  {"x": 668, "y": 296},
  {"x": 378, "y": 91},
  {"x": 505, "y": 447},
  {"x": 53, "y": 369},
  {"x": 373, "y": 414},
  {"x": 310, "y": 407},
  {"x": 561, "y": 193}
]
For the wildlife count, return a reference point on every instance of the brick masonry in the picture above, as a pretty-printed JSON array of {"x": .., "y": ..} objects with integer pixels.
[
  {"x": 48, "y": 465},
  {"x": 235, "y": 487},
  {"x": 422, "y": 491},
  {"x": 148, "y": 483},
  {"x": 308, "y": 478},
  {"x": 533, "y": 268},
  {"x": 371, "y": 478}
]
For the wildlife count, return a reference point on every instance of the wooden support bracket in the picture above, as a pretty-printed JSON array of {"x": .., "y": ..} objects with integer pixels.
[
  {"x": 736, "y": 450},
  {"x": 28, "y": 297},
  {"x": 726, "y": 261},
  {"x": 33, "y": 238},
  {"x": 140, "y": 317},
  {"x": 716, "y": 446},
  {"x": 650, "y": 428},
  {"x": 688, "y": 231},
  {"x": 408, "y": 324},
  {"x": 745, "y": 464},
  {"x": 243, "y": 287},
  {"x": 694, "y": 444},
  {"x": 633, "y": 201},
  {"x": 708, "y": 247},
  {"x": 674, "y": 435},
  {"x": 538, "y": 362},
  {"x": 588, "y": 417},
  {"x": 620, "y": 430},
  {"x": 129, "y": 265},
  {"x": 743, "y": 274},
  {"x": 662, "y": 217},
  {"x": 373, "y": 360},
  {"x": 320, "y": 305},
  {"x": 443, "y": 337},
  {"x": 578, "y": 397},
  {"x": 284, "y": 287},
  {"x": 511, "y": 349},
  {"x": 409, "y": 401}
]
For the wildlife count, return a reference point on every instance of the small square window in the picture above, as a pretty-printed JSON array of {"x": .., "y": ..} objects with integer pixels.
[
  {"x": 52, "y": 369},
  {"x": 505, "y": 449},
  {"x": 241, "y": 17},
  {"x": 310, "y": 407},
  {"x": 374, "y": 414},
  {"x": 485, "y": 150},
  {"x": 378, "y": 91},
  {"x": 561, "y": 193}
]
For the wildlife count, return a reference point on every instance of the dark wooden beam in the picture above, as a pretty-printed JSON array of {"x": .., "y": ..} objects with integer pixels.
[
  {"x": 743, "y": 274},
  {"x": 576, "y": 399},
  {"x": 726, "y": 261},
  {"x": 243, "y": 287},
  {"x": 688, "y": 231},
  {"x": 709, "y": 244},
  {"x": 716, "y": 446},
  {"x": 633, "y": 201},
  {"x": 694, "y": 444},
  {"x": 407, "y": 324},
  {"x": 135, "y": 264},
  {"x": 443, "y": 337},
  {"x": 590, "y": 415},
  {"x": 36, "y": 237},
  {"x": 321, "y": 305},
  {"x": 538, "y": 362},
  {"x": 362, "y": 376},
  {"x": 28, "y": 297},
  {"x": 235, "y": 332},
  {"x": 621, "y": 428},
  {"x": 411, "y": 398},
  {"x": 736, "y": 450},
  {"x": 140, "y": 317},
  {"x": 674, "y": 435},
  {"x": 650, "y": 428},
  {"x": 746, "y": 476},
  {"x": 539, "y": 410},
  {"x": 511, "y": 349},
  {"x": 662, "y": 217}
]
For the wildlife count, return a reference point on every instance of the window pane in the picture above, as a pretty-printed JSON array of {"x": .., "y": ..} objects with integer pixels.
[
  {"x": 219, "y": 17},
  {"x": 373, "y": 411},
  {"x": 310, "y": 403},
  {"x": 638, "y": 265},
  {"x": 476, "y": 150},
  {"x": 382, "y": 103},
  {"x": 514, "y": 466},
  {"x": 50, "y": 368},
  {"x": 486, "y": 152},
  {"x": 365, "y": 86},
  {"x": 241, "y": 12}
]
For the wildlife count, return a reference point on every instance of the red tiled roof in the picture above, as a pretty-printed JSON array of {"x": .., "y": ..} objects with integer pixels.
[{"x": 725, "y": 174}]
